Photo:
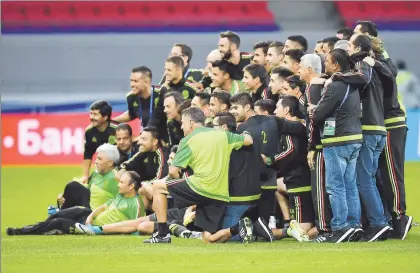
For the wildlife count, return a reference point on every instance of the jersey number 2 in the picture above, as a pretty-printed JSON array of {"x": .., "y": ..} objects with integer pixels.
[{"x": 264, "y": 136}]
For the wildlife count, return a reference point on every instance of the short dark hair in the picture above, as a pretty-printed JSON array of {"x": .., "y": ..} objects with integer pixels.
[
  {"x": 184, "y": 105},
  {"x": 295, "y": 81},
  {"x": 401, "y": 65},
  {"x": 264, "y": 45},
  {"x": 363, "y": 41},
  {"x": 266, "y": 105},
  {"x": 177, "y": 96},
  {"x": 144, "y": 70},
  {"x": 226, "y": 118},
  {"x": 293, "y": 103},
  {"x": 295, "y": 54},
  {"x": 300, "y": 40},
  {"x": 330, "y": 41},
  {"x": 124, "y": 127},
  {"x": 134, "y": 179},
  {"x": 243, "y": 99},
  {"x": 186, "y": 51},
  {"x": 105, "y": 109},
  {"x": 153, "y": 131},
  {"x": 368, "y": 27},
  {"x": 319, "y": 41},
  {"x": 195, "y": 114},
  {"x": 174, "y": 149},
  {"x": 278, "y": 46},
  {"x": 233, "y": 37},
  {"x": 204, "y": 97},
  {"x": 222, "y": 96},
  {"x": 177, "y": 61},
  {"x": 282, "y": 72},
  {"x": 347, "y": 33},
  {"x": 341, "y": 57},
  {"x": 257, "y": 71},
  {"x": 223, "y": 65}
]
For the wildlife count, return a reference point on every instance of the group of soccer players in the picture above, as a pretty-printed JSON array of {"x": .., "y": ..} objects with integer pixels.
[{"x": 315, "y": 140}]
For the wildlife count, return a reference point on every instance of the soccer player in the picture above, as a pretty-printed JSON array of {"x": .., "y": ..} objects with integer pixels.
[
  {"x": 206, "y": 151},
  {"x": 310, "y": 71},
  {"x": 219, "y": 102},
  {"x": 229, "y": 44},
  {"x": 186, "y": 53},
  {"x": 221, "y": 77},
  {"x": 101, "y": 130},
  {"x": 124, "y": 206},
  {"x": 260, "y": 54},
  {"x": 265, "y": 107},
  {"x": 344, "y": 33},
  {"x": 206, "y": 83},
  {"x": 275, "y": 54},
  {"x": 296, "y": 42},
  {"x": 295, "y": 87},
  {"x": 102, "y": 184},
  {"x": 202, "y": 101},
  {"x": 292, "y": 59},
  {"x": 175, "y": 82},
  {"x": 291, "y": 162},
  {"x": 125, "y": 145},
  {"x": 338, "y": 113},
  {"x": 173, "y": 101},
  {"x": 329, "y": 44},
  {"x": 318, "y": 47},
  {"x": 255, "y": 81},
  {"x": 143, "y": 97},
  {"x": 277, "y": 78}
]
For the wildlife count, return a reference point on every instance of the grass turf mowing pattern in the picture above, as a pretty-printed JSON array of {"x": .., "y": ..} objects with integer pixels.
[{"x": 26, "y": 193}]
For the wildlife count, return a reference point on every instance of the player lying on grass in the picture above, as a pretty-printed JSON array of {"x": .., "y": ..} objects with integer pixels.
[
  {"x": 125, "y": 206},
  {"x": 178, "y": 219},
  {"x": 102, "y": 185}
]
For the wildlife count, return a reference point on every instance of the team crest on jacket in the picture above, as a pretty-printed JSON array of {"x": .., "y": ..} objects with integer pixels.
[{"x": 111, "y": 140}]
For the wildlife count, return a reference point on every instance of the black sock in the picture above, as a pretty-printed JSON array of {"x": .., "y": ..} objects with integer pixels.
[
  {"x": 163, "y": 229},
  {"x": 284, "y": 232},
  {"x": 100, "y": 227},
  {"x": 286, "y": 223},
  {"x": 234, "y": 230}
]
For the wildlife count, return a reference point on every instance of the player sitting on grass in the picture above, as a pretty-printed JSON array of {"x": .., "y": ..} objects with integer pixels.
[
  {"x": 125, "y": 206},
  {"x": 102, "y": 185},
  {"x": 148, "y": 225}
]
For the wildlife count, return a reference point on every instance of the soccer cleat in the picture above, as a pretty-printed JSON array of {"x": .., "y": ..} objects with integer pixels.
[
  {"x": 357, "y": 235},
  {"x": 156, "y": 239},
  {"x": 373, "y": 234},
  {"x": 245, "y": 230},
  {"x": 262, "y": 230},
  {"x": 297, "y": 232},
  {"x": 12, "y": 231},
  {"x": 188, "y": 234},
  {"x": 87, "y": 229},
  {"x": 322, "y": 237},
  {"x": 341, "y": 235},
  {"x": 402, "y": 226}
]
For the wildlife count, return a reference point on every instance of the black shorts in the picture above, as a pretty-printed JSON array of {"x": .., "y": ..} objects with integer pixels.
[
  {"x": 301, "y": 207},
  {"x": 174, "y": 214},
  {"x": 209, "y": 212}
]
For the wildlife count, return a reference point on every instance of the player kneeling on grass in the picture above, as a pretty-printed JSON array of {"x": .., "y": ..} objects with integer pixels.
[
  {"x": 178, "y": 220},
  {"x": 102, "y": 185},
  {"x": 125, "y": 206}
]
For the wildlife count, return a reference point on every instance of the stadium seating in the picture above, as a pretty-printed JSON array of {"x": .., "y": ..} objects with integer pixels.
[
  {"x": 134, "y": 16},
  {"x": 396, "y": 15}
]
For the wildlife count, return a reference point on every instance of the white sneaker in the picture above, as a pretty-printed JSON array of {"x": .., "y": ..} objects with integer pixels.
[{"x": 297, "y": 232}]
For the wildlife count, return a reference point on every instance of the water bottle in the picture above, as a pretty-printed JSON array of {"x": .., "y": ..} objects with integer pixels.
[{"x": 52, "y": 210}]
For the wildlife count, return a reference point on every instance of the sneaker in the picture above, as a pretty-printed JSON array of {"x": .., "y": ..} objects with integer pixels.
[
  {"x": 322, "y": 237},
  {"x": 245, "y": 230},
  {"x": 341, "y": 235},
  {"x": 357, "y": 235},
  {"x": 188, "y": 234},
  {"x": 297, "y": 232},
  {"x": 375, "y": 234},
  {"x": 402, "y": 226},
  {"x": 12, "y": 231},
  {"x": 262, "y": 230},
  {"x": 87, "y": 229},
  {"x": 156, "y": 239}
]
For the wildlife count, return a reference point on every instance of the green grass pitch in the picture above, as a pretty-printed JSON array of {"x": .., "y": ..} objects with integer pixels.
[{"x": 27, "y": 191}]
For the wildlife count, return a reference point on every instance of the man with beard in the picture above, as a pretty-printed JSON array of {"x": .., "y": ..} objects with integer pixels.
[
  {"x": 260, "y": 54},
  {"x": 186, "y": 53},
  {"x": 229, "y": 44},
  {"x": 124, "y": 138},
  {"x": 219, "y": 102},
  {"x": 173, "y": 104},
  {"x": 374, "y": 134},
  {"x": 292, "y": 59},
  {"x": 101, "y": 130},
  {"x": 295, "y": 87},
  {"x": 221, "y": 77},
  {"x": 175, "y": 82},
  {"x": 143, "y": 97},
  {"x": 255, "y": 81},
  {"x": 277, "y": 78}
]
